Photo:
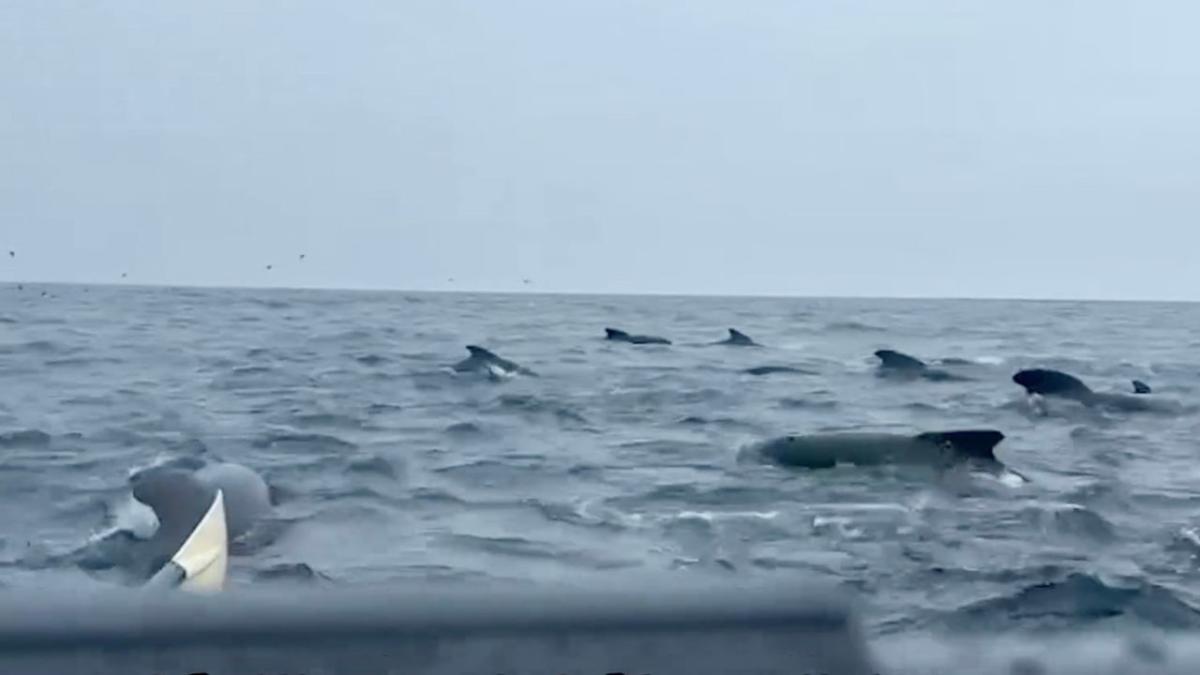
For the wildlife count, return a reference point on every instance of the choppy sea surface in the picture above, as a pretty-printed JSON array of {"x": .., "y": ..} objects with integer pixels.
[{"x": 618, "y": 457}]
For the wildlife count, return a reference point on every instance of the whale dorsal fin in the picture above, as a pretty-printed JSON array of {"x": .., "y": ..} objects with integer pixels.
[
  {"x": 613, "y": 333},
  {"x": 736, "y": 335},
  {"x": 1140, "y": 387},
  {"x": 974, "y": 443},
  {"x": 894, "y": 359},
  {"x": 480, "y": 352}
]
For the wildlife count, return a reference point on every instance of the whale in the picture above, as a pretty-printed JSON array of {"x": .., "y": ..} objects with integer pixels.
[
  {"x": 1046, "y": 383},
  {"x": 772, "y": 370},
  {"x": 1140, "y": 387},
  {"x": 246, "y": 495},
  {"x": 179, "y": 493},
  {"x": 621, "y": 336},
  {"x": 484, "y": 361},
  {"x": 191, "y": 542},
  {"x": 898, "y": 365},
  {"x": 738, "y": 339},
  {"x": 939, "y": 449}
]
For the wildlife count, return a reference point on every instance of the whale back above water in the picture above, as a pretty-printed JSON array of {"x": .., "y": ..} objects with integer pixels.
[
  {"x": 934, "y": 448},
  {"x": 482, "y": 360},
  {"x": 618, "y": 335},
  {"x": 771, "y": 370},
  {"x": 1050, "y": 383},
  {"x": 970, "y": 443},
  {"x": 247, "y": 496},
  {"x": 894, "y": 364},
  {"x": 894, "y": 360}
]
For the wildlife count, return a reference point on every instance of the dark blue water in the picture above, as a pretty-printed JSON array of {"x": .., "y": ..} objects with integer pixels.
[{"x": 618, "y": 456}]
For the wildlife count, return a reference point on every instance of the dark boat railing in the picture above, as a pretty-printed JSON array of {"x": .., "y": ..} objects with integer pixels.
[
  {"x": 643, "y": 628},
  {"x": 460, "y": 631}
]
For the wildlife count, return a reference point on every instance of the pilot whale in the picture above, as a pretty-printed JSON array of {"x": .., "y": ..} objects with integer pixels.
[
  {"x": 621, "y": 336},
  {"x": 484, "y": 361},
  {"x": 939, "y": 449},
  {"x": 1049, "y": 383},
  {"x": 179, "y": 493},
  {"x": 894, "y": 364}
]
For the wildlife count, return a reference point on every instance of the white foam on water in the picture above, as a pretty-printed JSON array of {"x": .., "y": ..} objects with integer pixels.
[
  {"x": 130, "y": 515},
  {"x": 710, "y": 516}
]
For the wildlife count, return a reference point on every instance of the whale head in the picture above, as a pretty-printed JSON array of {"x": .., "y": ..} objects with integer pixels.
[{"x": 1050, "y": 383}]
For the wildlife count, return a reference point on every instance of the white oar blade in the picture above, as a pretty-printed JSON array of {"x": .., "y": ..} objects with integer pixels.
[{"x": 204, "y": 557}]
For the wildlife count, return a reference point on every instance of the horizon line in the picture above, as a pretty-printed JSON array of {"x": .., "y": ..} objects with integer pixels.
[{"x": 650, "y": 294}]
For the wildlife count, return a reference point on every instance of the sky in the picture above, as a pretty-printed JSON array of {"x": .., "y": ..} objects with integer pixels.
[{"x": 961, "y": 148}]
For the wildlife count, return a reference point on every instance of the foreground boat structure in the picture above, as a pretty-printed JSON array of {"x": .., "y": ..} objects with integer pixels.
[{"x": 693, "y": 626}]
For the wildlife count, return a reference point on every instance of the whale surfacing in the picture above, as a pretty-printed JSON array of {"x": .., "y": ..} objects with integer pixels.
[
  {"x": 484, "y": 361},
  {"x": 1048, "y": 383},
  {"x": 894, "y": 364},
  {"x": 772, "y": 370},
  {"x": 621, "y": 336},
  {"x": 933, "y": 448},
  {"x": 738, "y": 339}
]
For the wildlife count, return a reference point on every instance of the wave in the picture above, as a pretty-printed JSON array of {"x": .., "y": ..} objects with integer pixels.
[
  {"x": 33, "y": 347},
  {"x": 1079, "y": 599},
  {"x": 304, "y": 442},
  {"x": 791, "y": 403},
  {"x": 464, "y": 429},
  {"x": 529, "y": 404},
  {"x": 853, "y": 327},
  {"x": 328, "y": 420},
  {"x": 374, "y": 465},
  {"x": 290, "y": 572},
  {"x": 26, "y": 438}
]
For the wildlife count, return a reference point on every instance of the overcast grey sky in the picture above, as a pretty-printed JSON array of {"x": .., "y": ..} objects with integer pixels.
[{"x": 892, "y": 147}]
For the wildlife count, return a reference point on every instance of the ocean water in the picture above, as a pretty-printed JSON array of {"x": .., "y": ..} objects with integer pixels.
[{"x": 617, "y": 457}]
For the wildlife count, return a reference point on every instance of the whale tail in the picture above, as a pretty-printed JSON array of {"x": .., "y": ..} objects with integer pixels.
[
  {"x": 1140, "y": 387},
  {"x": 1044, "y": 381},
  {"x": 614, "y": 334},
  {"x": 973, "y": 443},
  {"x": 894, "y": 359}
]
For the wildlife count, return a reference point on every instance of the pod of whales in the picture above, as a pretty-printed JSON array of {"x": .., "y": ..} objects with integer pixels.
[
  {"x": 898, "y": 365},
  {"x": 933, "y": 448},
  {"x": 621, "y": 336},
  {"x": 1055, "y": 384}
]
